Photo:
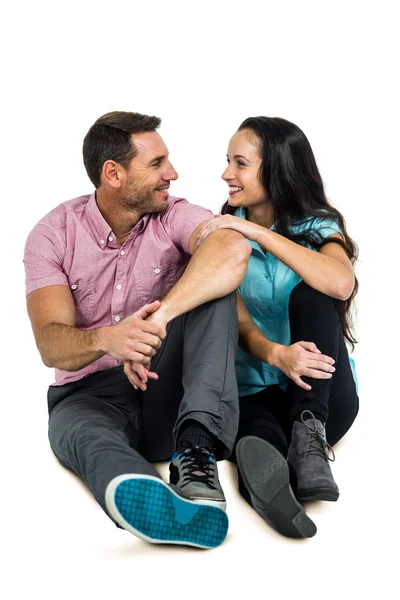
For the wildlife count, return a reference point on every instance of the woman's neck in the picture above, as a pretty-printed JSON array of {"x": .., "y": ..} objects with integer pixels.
[{"x": 261, "y": 215}]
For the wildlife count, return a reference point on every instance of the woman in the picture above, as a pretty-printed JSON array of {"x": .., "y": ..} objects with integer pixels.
[{"x": 297, "y": 391}]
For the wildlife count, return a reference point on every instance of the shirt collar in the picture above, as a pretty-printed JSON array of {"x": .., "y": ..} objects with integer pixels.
[
  {"x": 99, "y": 226},
  {"x": 101, "y": 229},
  {"x": 240, "y": 212}
]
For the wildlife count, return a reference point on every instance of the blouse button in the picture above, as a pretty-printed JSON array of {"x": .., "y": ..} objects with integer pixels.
[
  {"x": 74, "y": 286},
  {"x": 156, "y": 271}
]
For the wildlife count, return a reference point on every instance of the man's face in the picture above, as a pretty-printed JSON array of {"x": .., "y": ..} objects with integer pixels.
[{"x": 148, "y": 176}]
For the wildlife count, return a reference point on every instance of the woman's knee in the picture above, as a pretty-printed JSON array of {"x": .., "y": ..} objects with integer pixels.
[{"x": 305, "y": 296}]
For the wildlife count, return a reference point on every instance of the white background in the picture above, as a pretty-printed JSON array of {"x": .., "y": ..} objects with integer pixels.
[{"x": 330, "y": 67}]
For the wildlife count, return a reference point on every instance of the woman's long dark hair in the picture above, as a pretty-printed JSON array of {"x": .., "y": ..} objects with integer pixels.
[{"x": 290, "y": 176}]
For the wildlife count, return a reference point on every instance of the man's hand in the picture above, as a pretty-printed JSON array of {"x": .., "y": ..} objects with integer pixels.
[
  {"x": 138, "y": 373},
  {"x": 134, "y": 338},
  {"x": 302, "y": 358}
]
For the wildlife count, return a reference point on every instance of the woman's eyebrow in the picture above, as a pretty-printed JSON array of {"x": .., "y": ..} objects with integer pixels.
[{"x": 239, "y": 156}]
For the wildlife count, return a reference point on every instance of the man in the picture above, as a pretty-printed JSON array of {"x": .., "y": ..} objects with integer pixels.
[{"x": 140, "y": 325}]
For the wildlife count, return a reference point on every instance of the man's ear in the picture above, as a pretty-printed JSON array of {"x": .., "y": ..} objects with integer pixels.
[{"x": 112, "y": 174}]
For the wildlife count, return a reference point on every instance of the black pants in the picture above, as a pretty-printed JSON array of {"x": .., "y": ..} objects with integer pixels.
[
  {"x": 270, "y": 413},
  {"x": 101, "y": 427}
]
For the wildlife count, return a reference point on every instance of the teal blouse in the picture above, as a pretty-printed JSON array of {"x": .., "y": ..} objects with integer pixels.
[{"x": 266, "y": 290}]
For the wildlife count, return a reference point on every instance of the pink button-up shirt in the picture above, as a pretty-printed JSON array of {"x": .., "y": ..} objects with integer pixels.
[{"x": 74, "y": 246}]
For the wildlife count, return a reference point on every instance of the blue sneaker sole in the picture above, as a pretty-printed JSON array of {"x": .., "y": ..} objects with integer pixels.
[{"x": 151, "y": 510}]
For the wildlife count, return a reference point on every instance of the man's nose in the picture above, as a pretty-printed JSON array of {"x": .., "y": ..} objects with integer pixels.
[{"x": 170, "y": 173}]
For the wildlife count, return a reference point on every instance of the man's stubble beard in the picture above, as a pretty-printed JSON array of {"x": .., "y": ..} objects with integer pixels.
[{"x": 141, "y": 199}]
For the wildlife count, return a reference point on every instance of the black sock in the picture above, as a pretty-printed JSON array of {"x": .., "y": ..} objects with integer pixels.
[{"x": 194, "y": 434}]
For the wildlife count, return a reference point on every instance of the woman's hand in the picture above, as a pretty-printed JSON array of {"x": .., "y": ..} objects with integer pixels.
[
  {"x": 246, "y": 228},
  {"x": 302, "y": 358}
]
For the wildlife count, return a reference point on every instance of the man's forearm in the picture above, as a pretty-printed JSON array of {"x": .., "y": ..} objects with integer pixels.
[
  {"x": 68, "y": 348},
  {"x": 215, "y": 270}
]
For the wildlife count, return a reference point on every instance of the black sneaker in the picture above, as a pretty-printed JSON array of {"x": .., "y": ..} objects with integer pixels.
[{"x": 194, "y": 475}]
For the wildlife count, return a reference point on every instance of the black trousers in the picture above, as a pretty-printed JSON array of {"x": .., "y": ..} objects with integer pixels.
[
  {"x": 101, "y": 427},
  {"x": 270, "y": 413}
]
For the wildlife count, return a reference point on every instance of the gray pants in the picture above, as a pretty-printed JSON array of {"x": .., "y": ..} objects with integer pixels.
[{"x": 101, "y": 427}]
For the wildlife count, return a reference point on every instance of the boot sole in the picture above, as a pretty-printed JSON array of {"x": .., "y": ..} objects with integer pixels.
[
  {"x": 310, "y": 495},
  {"x": 149, "y": 509},
  {"x": 266, "y": 475}
]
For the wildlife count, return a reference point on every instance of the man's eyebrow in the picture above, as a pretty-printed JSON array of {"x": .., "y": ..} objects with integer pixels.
[{"x": 161, "y": 157}]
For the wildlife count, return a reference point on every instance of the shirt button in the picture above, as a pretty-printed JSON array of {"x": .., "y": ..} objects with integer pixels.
[
  {"x": 117, "y": 318},
  {"x": 110, "y": 239},
  {"x": 156, "y": 271},
  {"x": 122, "y": 252},
  {"x": 119, "y": 286},
  {"x": 101, "y": 241},
  {"x": 74, "y": 286}
]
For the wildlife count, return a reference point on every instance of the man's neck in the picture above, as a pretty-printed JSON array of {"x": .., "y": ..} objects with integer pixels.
[{"x": 120, "y": 221}]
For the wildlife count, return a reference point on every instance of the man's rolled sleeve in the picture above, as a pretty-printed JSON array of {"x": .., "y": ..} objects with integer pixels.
[
  {"x": 182, "y": 219},
  {"x": 43, "y": 258}
]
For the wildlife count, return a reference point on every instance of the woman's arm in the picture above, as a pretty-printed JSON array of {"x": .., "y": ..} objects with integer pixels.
[
  {"x": 251, "y": 339},
  {"x": 302, "y": 358},
  {"x": 328, "y": 271}
]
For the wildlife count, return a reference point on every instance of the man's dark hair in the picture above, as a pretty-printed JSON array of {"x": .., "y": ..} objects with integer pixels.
[{"x": 110, "y": 139}]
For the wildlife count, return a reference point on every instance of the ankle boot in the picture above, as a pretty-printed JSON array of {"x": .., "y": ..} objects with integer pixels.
[
  {"x": 309, "y": 455},
  {"x": 264, "y": 484}
]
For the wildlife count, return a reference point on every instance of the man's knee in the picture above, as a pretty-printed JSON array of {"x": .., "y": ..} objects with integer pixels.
[{"x": 221, "y": 311}]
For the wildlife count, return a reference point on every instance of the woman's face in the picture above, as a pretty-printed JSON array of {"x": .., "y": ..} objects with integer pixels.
[{"x": 241, "y": 174}]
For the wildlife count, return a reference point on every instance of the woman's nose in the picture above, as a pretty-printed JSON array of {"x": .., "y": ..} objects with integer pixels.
[{"x": 227, "y": 174}]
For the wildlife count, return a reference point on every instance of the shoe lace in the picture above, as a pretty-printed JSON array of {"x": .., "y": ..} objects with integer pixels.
[
  {"x": 197, "y": 465},
  {"x": 318, "y": 445}
]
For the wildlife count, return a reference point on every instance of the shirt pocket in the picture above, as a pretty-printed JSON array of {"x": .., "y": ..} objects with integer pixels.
[
  {"x": 154, "y": 282},
  {"x": 84, "y": 296}
]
